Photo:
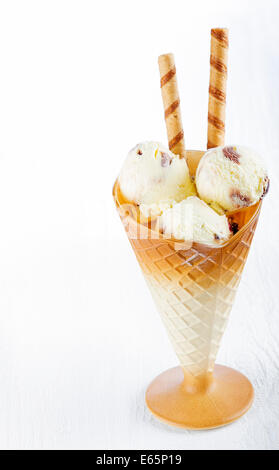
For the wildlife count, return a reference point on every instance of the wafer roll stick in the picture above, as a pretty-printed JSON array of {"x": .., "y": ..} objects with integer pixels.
[
  {"x": 171, "y": 103},
  {"x": 217, "y": 87}
]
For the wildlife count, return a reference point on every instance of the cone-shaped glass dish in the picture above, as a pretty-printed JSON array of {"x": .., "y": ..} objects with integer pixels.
[{"x": 193, "y": 286}]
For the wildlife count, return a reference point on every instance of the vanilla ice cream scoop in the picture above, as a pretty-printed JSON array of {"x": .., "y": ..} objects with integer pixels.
[
  {"x": 230, "y": 178},
  {"x": 154, "y": 177},
  {"x": 193, "y": 220}
]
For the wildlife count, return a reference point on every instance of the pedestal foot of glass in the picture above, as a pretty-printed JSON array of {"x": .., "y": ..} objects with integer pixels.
[{"x": 207, "y": 401}]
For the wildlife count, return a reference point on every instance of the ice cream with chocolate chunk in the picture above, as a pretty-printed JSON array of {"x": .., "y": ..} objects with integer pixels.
[
  {"x": 193, "y": 220},
  {"x": 154, "y": 178},
  {"x": 231, "y": 177}
]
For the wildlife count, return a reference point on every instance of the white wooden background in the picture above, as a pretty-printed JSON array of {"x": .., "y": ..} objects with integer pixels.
[{"x": 80, "y": 338}]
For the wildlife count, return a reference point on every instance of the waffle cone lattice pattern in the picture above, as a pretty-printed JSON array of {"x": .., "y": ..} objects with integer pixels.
[{"x": 194, "y": 290}]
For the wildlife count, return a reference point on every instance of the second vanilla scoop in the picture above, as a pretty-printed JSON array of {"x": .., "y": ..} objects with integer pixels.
[{"x": 231, "y": 177}]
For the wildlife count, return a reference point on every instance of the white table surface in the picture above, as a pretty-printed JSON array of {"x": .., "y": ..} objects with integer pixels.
[{"x": 80, "y": 338}]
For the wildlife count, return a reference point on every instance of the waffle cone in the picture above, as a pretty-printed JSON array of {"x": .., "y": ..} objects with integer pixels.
[{"x": 193, "y": 285}]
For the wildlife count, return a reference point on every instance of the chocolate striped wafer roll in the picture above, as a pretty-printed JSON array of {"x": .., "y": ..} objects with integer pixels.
[
  {"x": 217, "y": 87},
  {"x": 171, "y": 103}
]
